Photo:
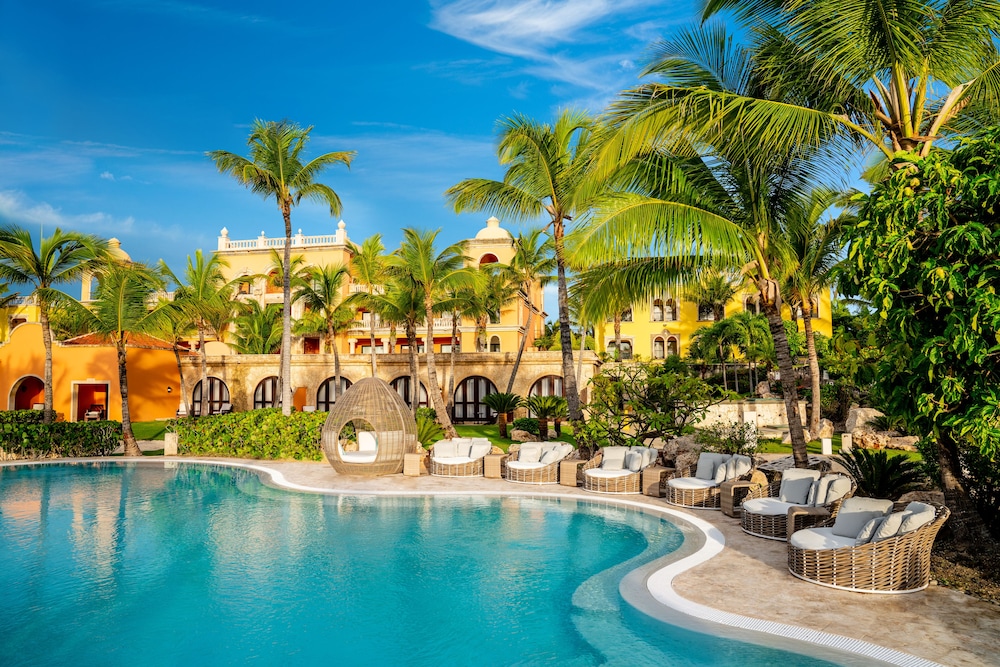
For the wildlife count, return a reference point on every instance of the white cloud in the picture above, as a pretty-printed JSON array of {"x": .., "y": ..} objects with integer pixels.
[{"x": 107, "y": 175}]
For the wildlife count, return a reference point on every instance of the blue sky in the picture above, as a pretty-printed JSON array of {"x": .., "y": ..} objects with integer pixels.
[{"x": 109, "y": 106}]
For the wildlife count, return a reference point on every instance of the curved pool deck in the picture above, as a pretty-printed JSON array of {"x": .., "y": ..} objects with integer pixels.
[{"x": 730, "y": 579}]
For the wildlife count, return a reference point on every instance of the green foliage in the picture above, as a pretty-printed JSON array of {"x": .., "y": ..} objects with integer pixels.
[
  {"x": 428, "y": 430},
  {"x": 546, "y": 407},
  {"x": 258, "y": 329},
  {"x": 428, "y": 413},
  {"x": 926, "y": 251},
  {"x": 879, "y": 475},
  {"x": 501, "y": 402},
  {"x": 529, "y": 424},
  {"x": 255, "y": 434},
  {"x": 735, "y": 438},
  {"x": 24, "y": 436}
]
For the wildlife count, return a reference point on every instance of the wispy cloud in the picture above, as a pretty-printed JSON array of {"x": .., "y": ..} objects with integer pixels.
[{"x": 196, "y": 12}]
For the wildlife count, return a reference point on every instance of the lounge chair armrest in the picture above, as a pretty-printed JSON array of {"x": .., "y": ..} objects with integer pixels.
[
  {"x": 594, "y": 462},
  {"x": 682, "y": 472},
  {"x": 763, "y": 491}
]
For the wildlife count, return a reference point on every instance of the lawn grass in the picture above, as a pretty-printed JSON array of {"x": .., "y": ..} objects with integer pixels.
[
  {"x": 492, "y": 431},
  {"x": 774, "y": 446},
  {"x": 149, "y": 430}
]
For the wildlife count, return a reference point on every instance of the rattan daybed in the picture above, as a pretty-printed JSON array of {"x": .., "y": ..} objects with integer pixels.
[
  {"x": 896, "y": 561},
  {"x": 617, "y": 469},
  {"x": 535, "y": 462},
  {"x": 766, "y": 508},
  {"x": 698, "y": 485},
  {"x": 460, "y": 457}
]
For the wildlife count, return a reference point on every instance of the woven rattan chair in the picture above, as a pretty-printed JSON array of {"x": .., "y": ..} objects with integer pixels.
[
  {"x": 899, "y": 564},
  {"x": 467, "y": 462},
  {"x": 524, "y": 462},
  {"x": 769, "y": 519},
  {"x": 382, "y": 430},
  {"x": 599, "y": 478},
  {"x": 687, "y": 490}
]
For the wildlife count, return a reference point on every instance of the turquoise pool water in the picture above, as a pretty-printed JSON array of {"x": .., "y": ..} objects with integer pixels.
[{"x": 141, "y": 564}]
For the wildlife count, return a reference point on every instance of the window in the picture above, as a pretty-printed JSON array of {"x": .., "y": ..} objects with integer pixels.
[
  {"x": 658, "y": 349},
  {"x": 657, "y": 311},
  {"x": 402, "y": 387},
  {"x": 706, "y": 313},
  {"x": 495, "y": 344},
  {"x": 273, "y": 283},
  {"x": 310, "y": 346},
  {"x": 548, "y": 385},
  {"x": 445, "y": 347},
  {"x": 672, "y": 350},
  {"x": 244, "y": 286},
  {"x": 669, "y": 311},
  {"x": 626, "y": 350},
  {"x": 752, "y": 304},
  {"x": 627, "y": 315},
  {"x": 488, "y": 258},
  {"x": 267, "y": 394},
  {"x": 218, "y": 393},
  {"x": 469, "y": 406},
  {"x": 325, "y": 395}
]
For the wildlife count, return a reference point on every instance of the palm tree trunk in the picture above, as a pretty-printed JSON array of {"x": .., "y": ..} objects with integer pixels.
[
  {"x": 432, "y": 380},
  {"x": 128, "y": 438},
  {"x": 48, "y": 414},
  {"x": 180, "y": 375},
  {"x": 784, "y": 356},
  {"x": 502, "y": 423},
  {"x": 371, "y": 315},
  {"x": 336, "y": 369},
  {"x": 520, "y": 348},
  {"x": 411, "y": 340},
  {"x": 618, "y": 336},
  {"x": 285, "y": 372},
  {"x": 565, "y": 338},
  {"x": 391, "y": 343},
  {"x": 725, "y": 381},
  {"x": 813, "y": 367},
  {"x": 543, "y": 429},
  {"x": 481, "y": 333},
  {"x": 579, "y": 363},
  {"x": 204, "y": 371},
  {"x": 453, "y": 355}
]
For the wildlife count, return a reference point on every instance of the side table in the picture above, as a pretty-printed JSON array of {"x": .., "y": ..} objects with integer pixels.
[
  {"x": 569, "y": 471},
  {"x": 493, "y": 466},
  {"x": 800, "y": 517},
  {"x": 415, "y": 464},
  {"x": 652, "y": 480},
  {"x": 732, "y": 493}
]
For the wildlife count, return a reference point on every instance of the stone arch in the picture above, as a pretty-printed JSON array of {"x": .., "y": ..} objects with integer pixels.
[
  {"x": 468, "y": 403},
  {"x": 401, "y": 385},
  {"x": 218, "y": 394},
  {"x": 326, "y": 397},
  {"x": 266, "y": 393},
  {"x": 26, "y": 392}
]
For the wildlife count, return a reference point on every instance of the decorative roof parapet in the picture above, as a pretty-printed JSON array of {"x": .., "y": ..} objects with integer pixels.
[{"x": 262, "y": 242}]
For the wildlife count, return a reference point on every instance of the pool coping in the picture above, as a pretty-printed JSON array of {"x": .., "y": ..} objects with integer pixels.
[{"x": 657, "y": 577}]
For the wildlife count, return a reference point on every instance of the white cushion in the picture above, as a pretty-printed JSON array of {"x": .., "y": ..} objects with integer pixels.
[
  {"x": 566, "y": 449},
  {"x": 856, "y": 512},
  {"x": 838, "y": 488},
  {"x": 814, "y": 491},
  {"x": 463, "y": 447},
  {"x": 367, "y": 441},
  {"x": 551, "y": 456},
  {"x": 865, "y": 536},
  {"x": 706, "y": 466},
  {"x": 358, "y": 457},
  {"x": 720, "y": 472},
  {"x": 795, "y": 485},
  {"x": 601, "y": 472},
  {"x": 766, "y": 506},
  {"x": 524, "y": 465},
  {"x": 889, "y": 527},
  {"x": 916, "y": 515},
  {"x": 531, "y": 452},
  {"x": 633, "y": 461},
  {"x": 445, "y": 449},
  {"x": 614, "y": 458},
  {"x": 479, "y": 449},
  {"x": 686, "y": 483},
  {"x": 742, "y": 465},
  {"x": 452, "y": 460},
  {"x": 819, "y": 538},
  {"x": 649, "y": 455}
]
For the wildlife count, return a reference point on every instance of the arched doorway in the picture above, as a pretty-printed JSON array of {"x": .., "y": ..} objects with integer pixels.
[
  {"x": 218, "y": 394},
  {"x": 469, "y": 406},
  {"x": 548, "y": 385},
  {"x": 325, "y": 398},
  {"x": 402, "y": 387},
  {"x": 27, "y": 393},
  {"x": 267, "y": 394}
]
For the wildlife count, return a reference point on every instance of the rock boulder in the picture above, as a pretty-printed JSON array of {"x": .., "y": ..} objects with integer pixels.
[
  {"x": 858, "y": 417},
  {"x": 517, "y": 435}
]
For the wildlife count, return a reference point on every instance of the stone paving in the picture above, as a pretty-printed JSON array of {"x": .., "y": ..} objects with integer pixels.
[{"x": 938, "y": 624}]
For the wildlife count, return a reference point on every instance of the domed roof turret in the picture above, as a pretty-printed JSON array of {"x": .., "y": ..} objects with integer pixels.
[{"x": 493, "y": 230}]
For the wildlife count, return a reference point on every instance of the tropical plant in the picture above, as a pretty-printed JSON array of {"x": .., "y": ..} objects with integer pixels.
[
  {"x": 531, "y": 265},
  {"x": 258, "y": 328},
  {"x": 203, "y": 297},
  {"x": 275, "y": 170},
  {"x": 432, "y": 273},
  {"x": 735, "y": 438},
  {"x": 60, "y": 258},
  {"x": 489, "y": 295},
  {"x": 253, "y": 434},
  {"x": 368, "y": 268},
  {"x": 502, "y": 404},
  {"x": 879, "y": 474},
  {"x": 545, "y": 168},
  {"x": 428, "y": 430},
  {"x": 529, "y": 424},
  {"x": 750, "y": 333},
  {"x": 321, "y": 293},
  {"x": 176, "y": 327},
  {"x": 545, "y": 408}
]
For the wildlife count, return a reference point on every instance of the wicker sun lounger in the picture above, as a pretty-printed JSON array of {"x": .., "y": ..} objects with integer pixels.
[
  {"x": 765, "y": 514},
  {"x": 617, "y": 469},
  {"x": 460, "y": 457},
  {"x": 535, "y": 462}
]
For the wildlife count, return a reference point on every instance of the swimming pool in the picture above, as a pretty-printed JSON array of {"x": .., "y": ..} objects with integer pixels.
[{"x": 115, "y": 564}]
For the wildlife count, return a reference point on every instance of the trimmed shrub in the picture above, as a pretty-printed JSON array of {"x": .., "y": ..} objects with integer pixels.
[
  {"x": 24, "y": 436},
  {"x": 529, "y": 424},
  {"x": 255, "y": 434},
  {"x": 736, "y": 438}
]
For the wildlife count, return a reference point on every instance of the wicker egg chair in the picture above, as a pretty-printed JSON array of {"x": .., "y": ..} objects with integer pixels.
[{"x": 383, "y": 430}]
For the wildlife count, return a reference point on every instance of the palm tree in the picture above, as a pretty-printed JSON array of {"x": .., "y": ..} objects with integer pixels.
[
  {"x": 545, "y": 165},
  {"x": 544, "y": 409},
  {"x": 275, "y": 169},
  {"x": 60, "y": 258},
  {"x": 713, "y": 289},
  {"x": 120, "y": 311},
  {"x": 322, "y": 296},
  {"x": 871, "y": 74},
  {"x": 368, "y": 268},
  {"x": 750, "y": 333},
  {"x": 297, "y": 270},
  {"x": 817, "y": 248},
  {"x": 708, "y": 204},
  {"x": 201, "y": 297},
  {"x": 432, "y": 273},
  {"x": 258, "y": 328},
  {"x": 6, "y": 301},
  {"x": 488, "y": 295},
  {"x": 176, "y": 327},
  {"x": 598, "y": 305},
  {"x": 532, "y": 264},
  {"x": 502, "y": 403}
]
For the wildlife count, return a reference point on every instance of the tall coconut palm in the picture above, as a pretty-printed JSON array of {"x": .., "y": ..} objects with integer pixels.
[
  {"x": 710, "y": 203},
  {"x": 368, "y": 268},
  {"x": 546, "y": 165},
  {"x": 201, "y": 297},
  {"x": 432, "y": 273},
  {"x": 322, "y": 294},
  {"x": 275, "y": 169},
  {"x": 119, "y": 312},
  {"x": 176, "y": 327},
  {"x": 258, "y": 328},
  {"x": 752, "y": 336},
  {"x": 879, "y": 75},
  {"x": 491, "y": 293},
  {"x": 531, "y": 265},
  {"x": 59, "y": 259},
  {"x": 818, "y": 250}
]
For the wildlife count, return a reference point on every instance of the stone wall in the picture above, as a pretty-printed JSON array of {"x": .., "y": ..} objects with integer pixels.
[{"x": 769, "y": 413}]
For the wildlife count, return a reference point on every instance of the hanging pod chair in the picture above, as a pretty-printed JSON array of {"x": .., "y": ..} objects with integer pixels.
[{"x": 369, "y": 430}]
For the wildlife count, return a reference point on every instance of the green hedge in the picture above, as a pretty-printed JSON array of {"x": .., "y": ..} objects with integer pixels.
[
  {"x": 256, "y": 434},
  {"x": 24, "y": 436}
]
